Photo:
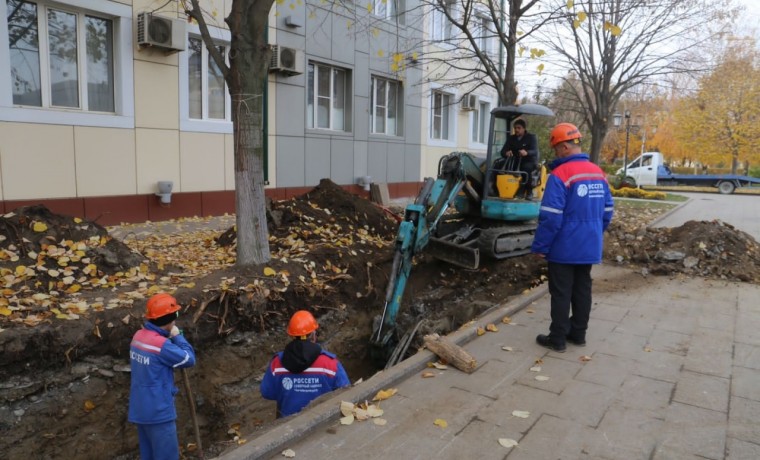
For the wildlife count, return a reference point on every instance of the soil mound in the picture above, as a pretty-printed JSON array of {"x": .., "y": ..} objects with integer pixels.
[
  {"x": 32, "y": 235},
  {"x": 711, "y": 249},
  {"x": 327, "y": 203}
]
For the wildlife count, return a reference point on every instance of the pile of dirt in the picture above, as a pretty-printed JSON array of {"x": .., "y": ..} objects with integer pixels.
[
  {"x": 711, "y": 249},
  {"x": 34, "y": 236},
  {"x": 327, "y": 203},
  {"x": 46, "y": 259}
]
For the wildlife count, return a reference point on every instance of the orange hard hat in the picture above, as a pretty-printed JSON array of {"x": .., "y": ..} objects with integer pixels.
[
  {"x": 564, "y": 132},
  {"x": 301, "y": 324},
  {"x": 161, "y": 305}
]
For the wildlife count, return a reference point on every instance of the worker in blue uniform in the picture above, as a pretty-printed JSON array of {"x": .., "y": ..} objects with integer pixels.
[
  {"x": 303, "y": 371},
  {"x": 156, "y": 350}
]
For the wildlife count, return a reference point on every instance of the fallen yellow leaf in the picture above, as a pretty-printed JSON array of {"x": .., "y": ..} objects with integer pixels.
[
  {"x": 89, "y": 405},
  {"x": 480, "y": 331},
  {"x": 440, "y": 422},
  {"x": 506, "y": 320},
  {"x": 385, "y": 394},
  {"x": 492, "y": 328},
  {"x": 39, "y": 227},
  {"x": 269, "y": 271},
  {"x": 346, "y": 408}
]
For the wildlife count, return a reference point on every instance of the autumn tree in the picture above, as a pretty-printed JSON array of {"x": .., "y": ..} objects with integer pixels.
[
  {"x": 477, "y": 43},
  {"x": 613, "y": 46},
  {"x": 722, "y": 122}
]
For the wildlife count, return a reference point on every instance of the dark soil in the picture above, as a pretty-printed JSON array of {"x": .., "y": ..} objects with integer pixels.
[{"x": 65, "y": 382}]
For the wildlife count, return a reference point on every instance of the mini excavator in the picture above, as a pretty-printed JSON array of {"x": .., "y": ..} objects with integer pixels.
[{"x": 469, "y": 212}]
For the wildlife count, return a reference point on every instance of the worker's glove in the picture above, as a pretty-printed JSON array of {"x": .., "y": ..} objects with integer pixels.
[{"x": 175, "y": 331}]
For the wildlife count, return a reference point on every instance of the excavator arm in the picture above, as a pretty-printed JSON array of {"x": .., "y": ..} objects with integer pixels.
[{"x": 457, "y": 171}]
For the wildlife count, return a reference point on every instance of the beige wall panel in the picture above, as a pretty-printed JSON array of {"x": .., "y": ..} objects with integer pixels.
[
  {"x": 105, "y": 161},
  {"x": 229, "y": 162},
  {"x": 156, "y": 96},
  {"x": 37, "y": 161},
  {"x": 201, "y": 161},
  {"x": 430, "y": 158},
  {"x": 157, "y": 159}
]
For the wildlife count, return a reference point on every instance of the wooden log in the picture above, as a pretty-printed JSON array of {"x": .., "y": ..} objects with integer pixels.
[{"x": 450, "y": 353}]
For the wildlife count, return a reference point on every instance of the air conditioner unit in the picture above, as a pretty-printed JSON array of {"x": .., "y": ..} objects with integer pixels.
[
  {"x": 286, "y": 60},
  {"x": 161, "y": 33},
  {"x": 469, "y": 102}
]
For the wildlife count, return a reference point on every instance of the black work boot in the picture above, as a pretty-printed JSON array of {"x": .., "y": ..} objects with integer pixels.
[
  {"x": 546, "y": 342},
  {"x": 576, "y": 342}
]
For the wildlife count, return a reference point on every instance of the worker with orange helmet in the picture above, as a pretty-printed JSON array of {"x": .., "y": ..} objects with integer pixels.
[
  {"x": 575, "y": 211},
  {"x": 303, "y": 371},
  {"x": 156, "y": 350}
]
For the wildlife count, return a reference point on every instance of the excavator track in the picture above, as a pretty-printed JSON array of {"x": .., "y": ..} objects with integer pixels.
[
  {"x": 468, "y": 246},
  {"x": 506, "y": 241}
]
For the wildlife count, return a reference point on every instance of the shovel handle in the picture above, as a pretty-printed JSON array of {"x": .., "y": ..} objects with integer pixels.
[{"x": 191, "y": 403}]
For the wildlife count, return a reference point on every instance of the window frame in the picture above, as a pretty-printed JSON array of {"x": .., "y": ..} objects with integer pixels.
[
  {"x": 441, "y": 29},
  {"x": 483, "y": 39},
  {"x": 399, "y": 106},
  {"x": 123, "y": 84},
  {"x": 204, "y": 125},
  {"x": 451, "y": 115},
  {"x": 483, "y": 122},
  {"x": 390, "y": 14},
  {"x": 312, "y": 122}
]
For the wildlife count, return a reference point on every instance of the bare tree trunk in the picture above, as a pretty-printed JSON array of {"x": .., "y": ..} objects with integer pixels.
[
  {"x": 250, "y": 205},
  {"x": 598, "y": 133},
  {"x": 249, "y": 59}
]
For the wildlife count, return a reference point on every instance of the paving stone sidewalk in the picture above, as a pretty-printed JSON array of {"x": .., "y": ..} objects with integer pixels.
[{"x": 674, "y": 373}]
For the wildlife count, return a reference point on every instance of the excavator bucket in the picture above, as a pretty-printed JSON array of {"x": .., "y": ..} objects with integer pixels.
[{"x": 465, "y": 255}]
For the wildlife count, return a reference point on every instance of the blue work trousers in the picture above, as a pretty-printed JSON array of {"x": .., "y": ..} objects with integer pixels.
[{"x": 158, "y": 441}]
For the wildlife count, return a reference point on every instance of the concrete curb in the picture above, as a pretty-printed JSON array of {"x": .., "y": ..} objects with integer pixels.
[
  {"x": 276, "y": 439},
  {"x": 666, "y": 214}
]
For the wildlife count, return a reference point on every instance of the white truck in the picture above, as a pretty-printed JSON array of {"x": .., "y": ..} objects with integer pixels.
[{"x": 650, "y": 169}]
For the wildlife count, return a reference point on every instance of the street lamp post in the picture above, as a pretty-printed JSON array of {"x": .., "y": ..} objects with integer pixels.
[
  {"x": 627, "y": 138},
  {"x": 617, "y": 120}
]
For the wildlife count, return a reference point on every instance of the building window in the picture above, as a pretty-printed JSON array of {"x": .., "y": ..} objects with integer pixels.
[
  {"x": 328, "y": 98},
  {"x": 60, "y": 58},
  {"x": 390, "y": 9},
  {"x": 482, "y": 34},
  {"x": 439, "y": 115},
  {"x": 207, "y": 92},
  {"x": 480, "y": 122},
  {"x": 441, "y": 26},
  {"x": 386, "y": 105}
]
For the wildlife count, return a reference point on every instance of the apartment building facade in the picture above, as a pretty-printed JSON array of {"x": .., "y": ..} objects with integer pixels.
[{"x": 91, "y": 121}]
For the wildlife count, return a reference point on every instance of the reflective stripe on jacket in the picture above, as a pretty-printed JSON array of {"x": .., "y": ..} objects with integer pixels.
[
  {"x": 153, "y": 357},
  {"x": 292, "y": 391},
  {"x": 575, "y": 210}
]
